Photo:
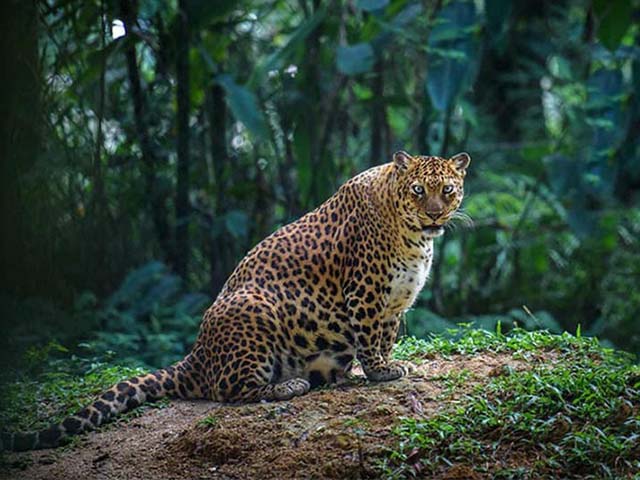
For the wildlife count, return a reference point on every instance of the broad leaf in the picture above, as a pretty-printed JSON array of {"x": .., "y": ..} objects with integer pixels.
[
  {"x": 355, "y": 59},
  {"x": 237, "y": 223},
  {"x": 614, "y": 19},
  {"x": 452, "y": 51},
  {"x": 244, "y": 105}
]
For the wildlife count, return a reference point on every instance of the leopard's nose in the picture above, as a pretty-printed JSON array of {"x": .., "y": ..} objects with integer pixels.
[{"x": 434, "y": 215}]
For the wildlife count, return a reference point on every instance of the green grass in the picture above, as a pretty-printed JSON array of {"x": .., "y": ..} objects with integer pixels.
[
  {"x": 466, "y": 341},
  {"x": 576, "y": 418},
  {"x": 452, "y": 381},
  {"x": 209, "y": 421},
  {"x": 32, "y": 402}
]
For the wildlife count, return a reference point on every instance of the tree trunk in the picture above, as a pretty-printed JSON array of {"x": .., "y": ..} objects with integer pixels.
[
  {"x": 219, "y": 252},
  {"x": 149, "y": 158},
  {"x": 99, "y": 201},
  {"x": 183, "y": 100},
  {"x": 377, "y": 114},
  {"x": 19, "y": 133},
  {"x": 313, "y": 93}
]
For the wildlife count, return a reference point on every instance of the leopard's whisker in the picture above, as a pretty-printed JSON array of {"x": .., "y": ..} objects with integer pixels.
[{"x": 462, "y": 218}]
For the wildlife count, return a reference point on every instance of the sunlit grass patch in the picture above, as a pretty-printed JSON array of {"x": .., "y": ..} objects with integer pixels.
[
  {"x": 575, "y": 418},
  {"x": 467, "y": 340},
  {"x": 33, "y": 402}
]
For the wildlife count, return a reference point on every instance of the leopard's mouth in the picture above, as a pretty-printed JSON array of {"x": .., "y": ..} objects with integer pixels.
[{"x": 433, "y": 230}]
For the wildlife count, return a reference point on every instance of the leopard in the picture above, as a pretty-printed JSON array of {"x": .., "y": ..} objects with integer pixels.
[{"x": 307, "y": 301}]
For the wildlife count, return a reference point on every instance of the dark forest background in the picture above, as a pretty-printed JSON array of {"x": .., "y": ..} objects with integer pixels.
[{"x": 145, "y": 146}]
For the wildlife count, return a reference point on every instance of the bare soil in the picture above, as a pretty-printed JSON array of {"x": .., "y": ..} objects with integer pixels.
[{"x": 341, "y": 432}]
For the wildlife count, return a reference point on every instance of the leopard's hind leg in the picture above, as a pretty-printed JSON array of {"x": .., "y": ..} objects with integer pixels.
[
  {"x": 250, "y": 351},
  {"x": 247, "y": 381}
]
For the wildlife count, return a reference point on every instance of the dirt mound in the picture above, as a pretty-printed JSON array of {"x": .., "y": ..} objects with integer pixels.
[{"x": 342, "y": 432}]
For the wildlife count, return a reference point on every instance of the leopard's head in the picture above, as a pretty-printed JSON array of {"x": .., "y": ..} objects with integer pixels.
[{"x": 428, "y": 190}]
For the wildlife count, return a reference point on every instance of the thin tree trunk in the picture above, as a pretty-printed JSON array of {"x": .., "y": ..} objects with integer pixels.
[
  {"x": 19, "y": 136},
  {"x": 423, "y": 99},
  {"x": 149, "y": 158},
  {"x": 289, "y": 189},
  {"x": 99, "y": 200},
  {"x": 219, "y": 253},
  {"x": 314, "y": 94},
  {"x": 183, "y": 100},
  {"x": 446, "y": 137},
  {"x": 262, "y": 205},
  {"x": 377, "y": 114}
]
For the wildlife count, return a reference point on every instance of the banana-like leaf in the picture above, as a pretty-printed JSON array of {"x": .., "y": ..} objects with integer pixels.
[
  {"x": 452, "y": 48},
  {"x": 244, "y": 106}
]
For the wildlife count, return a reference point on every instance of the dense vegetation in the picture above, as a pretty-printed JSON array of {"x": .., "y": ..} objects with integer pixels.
[{"x": 146, "y": 145}]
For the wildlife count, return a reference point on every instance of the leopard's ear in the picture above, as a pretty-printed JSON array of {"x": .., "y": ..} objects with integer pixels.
[
  {"x": 461, "y": 161},
  {"x": 402, "y": 160}
]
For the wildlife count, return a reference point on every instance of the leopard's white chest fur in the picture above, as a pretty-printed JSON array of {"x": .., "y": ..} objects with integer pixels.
[{"x": 409, "y": 277}]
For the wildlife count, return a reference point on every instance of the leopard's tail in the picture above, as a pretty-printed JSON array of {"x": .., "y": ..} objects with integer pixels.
[{"x": 179, "y": 380}]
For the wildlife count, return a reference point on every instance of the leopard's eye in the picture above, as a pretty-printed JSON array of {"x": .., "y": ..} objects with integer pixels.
[
  {"x": 447, "y": 189},
  {"x": 418, "y": 189}
]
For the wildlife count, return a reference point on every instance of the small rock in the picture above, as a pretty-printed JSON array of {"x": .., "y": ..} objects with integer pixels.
[
  {"x": 343, "y": 441},
  {"x": 501, "y": 370},
  {"x": 101, "y": 458},
  {"x": 47, "y": 460}
]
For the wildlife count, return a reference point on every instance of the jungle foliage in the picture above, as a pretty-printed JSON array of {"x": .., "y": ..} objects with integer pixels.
[{"x": 147, "y": 145}]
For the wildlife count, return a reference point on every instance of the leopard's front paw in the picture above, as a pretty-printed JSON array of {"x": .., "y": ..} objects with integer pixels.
[
  {"x": 390, "y": 371},
  {"x": 291, "y": 388},
  {"x": 410, "y": 367}
]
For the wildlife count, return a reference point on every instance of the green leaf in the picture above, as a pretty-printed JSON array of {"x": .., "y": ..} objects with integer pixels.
[
  {"x": 397, "y": 26},
  {"x": 362, "y": 92},
  {"x": 372, "y": 5},
  {"x": 614, "y": 19},
  {"x": 355, "y": 59},
  {"x": 452, "y": 53},
  {"x": 276, "y": 59},
  {"x": 244, "y": 105},
  {"x": 237, "y": 223}
]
